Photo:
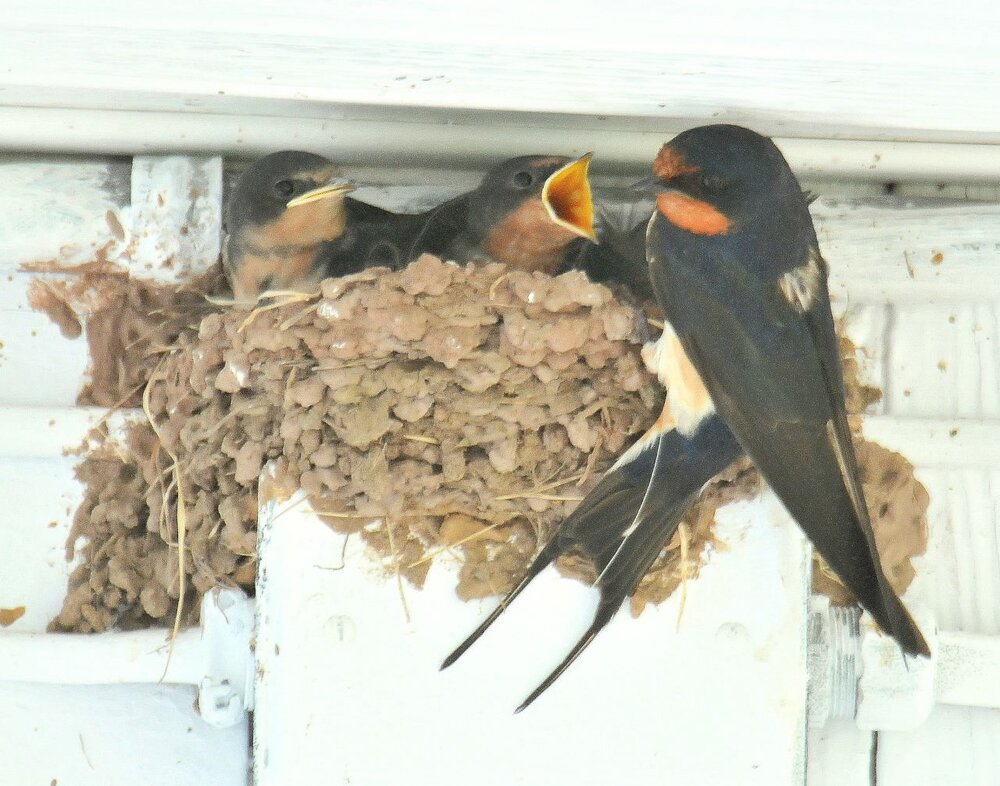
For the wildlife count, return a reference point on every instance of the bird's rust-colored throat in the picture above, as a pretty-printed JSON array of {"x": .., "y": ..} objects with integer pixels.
[
  {"x": 683, "y": 211},
  {"x": 568, "y": 199},
  {"x": 692, "y": 215}
]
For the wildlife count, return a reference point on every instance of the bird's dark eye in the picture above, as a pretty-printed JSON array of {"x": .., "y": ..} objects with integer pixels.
[
  {"x": 712, "y": 182},
  {"x": 522, "y": 179},
  {"x": 284, "y": 188}
]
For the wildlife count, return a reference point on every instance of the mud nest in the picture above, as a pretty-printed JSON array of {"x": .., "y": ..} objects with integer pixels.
[{"x": 436, "y": 412}]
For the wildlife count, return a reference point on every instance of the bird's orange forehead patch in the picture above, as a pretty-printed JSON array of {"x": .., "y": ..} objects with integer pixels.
[
  {"x": 670, "y": 164},
  {"x": 692, "y": 215}
]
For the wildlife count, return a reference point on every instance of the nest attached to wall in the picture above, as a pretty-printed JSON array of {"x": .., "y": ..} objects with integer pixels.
[{"x": 438, "y": 412}]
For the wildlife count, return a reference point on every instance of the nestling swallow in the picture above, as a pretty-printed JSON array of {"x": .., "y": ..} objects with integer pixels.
[
  {"x": 620, "y": 254},
  {"x": 290, "y": 224},
  {"x": 285, "y": 214},
  {"x": 627, "y": 520},
  {"x": 531, "y": 213},
  {"x": 736, "y": 267}
]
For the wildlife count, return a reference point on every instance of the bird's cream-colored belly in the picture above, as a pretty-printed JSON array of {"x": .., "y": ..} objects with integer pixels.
[{"x": 688, "y": 402}]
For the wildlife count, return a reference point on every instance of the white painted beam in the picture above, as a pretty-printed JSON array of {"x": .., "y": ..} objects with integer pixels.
[
  {"x": 115, "y": 734},
  {"x": 408, "y": 138},
  {"x": 348, "y": 685},
  {"x": 891, "y": 71}
]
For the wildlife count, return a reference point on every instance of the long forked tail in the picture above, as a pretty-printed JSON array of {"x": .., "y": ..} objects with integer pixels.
[
  {"x": 625, "y": 521},
  {"x": 541, "y": 562},
  {"x": 624, "y": 538},
  {"x": 579, "y": 647},
  {"x": 621, "y": 570},
  {"x": 596, "y": 522},
  {"x": 617, "y": 493}
]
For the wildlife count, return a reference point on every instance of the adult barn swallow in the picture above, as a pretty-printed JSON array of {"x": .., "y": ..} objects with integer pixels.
[
  {"x": 531, "y": 213},
  {"x": 750, "y": 360},
  {"x": 736, "y": 267},
  {"x": 627, "y": 520}
]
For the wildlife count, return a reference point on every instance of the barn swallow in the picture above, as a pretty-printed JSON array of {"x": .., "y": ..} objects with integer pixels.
[
  {"x": 736, "y": 267},
  {"x": 620, "y": 526},
  {"x": 285, "y": 214},
  {"x": 627, "y": 520},
  {"x": 531, "y": 213}
]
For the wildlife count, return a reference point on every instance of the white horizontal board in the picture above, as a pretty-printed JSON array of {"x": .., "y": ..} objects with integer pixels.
[
  {"x": 349, "y": 687},
  {"x": 847, "y": 70},
  {"x": 910, "y": 250},
  {"x": 395, "y": 137},
  {"x": 112, "y": 735},
  {"x": 946, "y": 359}
]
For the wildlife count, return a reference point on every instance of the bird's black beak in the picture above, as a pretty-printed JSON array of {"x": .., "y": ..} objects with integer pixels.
[
  {"x": 651, "y": 185},
  {"x": 568, "y": 199},
  {"x": 337, "y": 187}
]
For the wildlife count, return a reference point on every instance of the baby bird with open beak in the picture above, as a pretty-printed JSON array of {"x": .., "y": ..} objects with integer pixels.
[{"x": 530, "y": 212}]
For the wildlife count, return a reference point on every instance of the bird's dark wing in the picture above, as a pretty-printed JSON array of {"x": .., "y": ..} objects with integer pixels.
[
  {"x": 439, "y": 229},
  {"x": 620, "y": 254},
  {"x": 364, "y": 213},
  {"x": 767, "y": 352},
  {"x": 372, "y": 237},
  {"x": 625, "y": 521}
]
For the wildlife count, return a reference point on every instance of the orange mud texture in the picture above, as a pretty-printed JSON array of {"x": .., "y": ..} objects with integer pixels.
[{"x": 436, "y": 412}]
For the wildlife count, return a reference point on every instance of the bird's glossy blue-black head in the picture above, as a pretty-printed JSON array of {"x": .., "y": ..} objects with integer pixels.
[{"x": 716, "y": 178}]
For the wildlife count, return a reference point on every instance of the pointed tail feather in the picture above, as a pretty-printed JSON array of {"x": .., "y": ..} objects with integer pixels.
[
  {"x": 649, "y": 496},
  {"x": 541, "y": 562},
  {"x": 556, "y": 673},
  {"x": 596, "y": 521},
  {"x": 801, "y": 466},
  {"x": 624, "y": 523}
]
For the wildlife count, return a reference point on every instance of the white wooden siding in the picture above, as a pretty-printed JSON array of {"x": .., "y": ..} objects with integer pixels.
[
  {"x": 872, "y": 248},
  {"x": 858, "y": 93},
  {"x": 440, "y": 83}
]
